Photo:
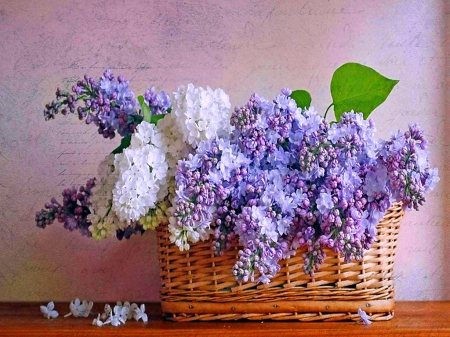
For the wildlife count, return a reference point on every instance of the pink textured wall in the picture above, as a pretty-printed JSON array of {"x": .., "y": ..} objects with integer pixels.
[{"x": 242, "y": 47}]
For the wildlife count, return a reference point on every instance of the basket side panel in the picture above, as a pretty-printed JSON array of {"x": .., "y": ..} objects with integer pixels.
[{"x": 197, "y": 276}]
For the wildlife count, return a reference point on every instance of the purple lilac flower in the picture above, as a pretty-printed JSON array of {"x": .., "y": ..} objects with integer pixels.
[
  {"x": 129, "y": 231},
  {"x": 264, "y": 260},
  {"x": 159, "y": 103},
  {"x": 224, "y": 223},
  {"x": 364, "y": 317},
  {"x": 73, "y": 210},
  {"x": 286, "y": 179},
  {"x": 108, "y": 103},
  {"x": 196, "y": 194},
  {"x": 250, "y": 126},
  {"x": 354, "y": 137},
  {"x": 375, "y": 187},
  {"x": 314, "y": 151},
  {"x": 432, "y": 179},
  {"x": 262, "y": 250},
  {"x": 279, "y": 119},
  {"x": 324, "y": 202},
  {"x": 409, "y": 173}
]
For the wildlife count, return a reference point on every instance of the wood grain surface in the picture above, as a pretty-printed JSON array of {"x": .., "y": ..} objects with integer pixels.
[{"x": 411, "y": 319}]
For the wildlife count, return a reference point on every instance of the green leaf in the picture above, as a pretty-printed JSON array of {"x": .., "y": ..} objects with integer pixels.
[
  {"x": 358, "y": 88},
  {"x": 156, "y": 118},
  {"x": 135, "y": 119},
  {"x": 124, "y": 143},
  {"x": 302, "y": 98},
  {"x": 145, "y": 109}
]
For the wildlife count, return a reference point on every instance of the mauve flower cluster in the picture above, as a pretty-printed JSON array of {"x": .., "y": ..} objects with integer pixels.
[
  {"x": 129, "y": 198},
  {"x": 73, "y": 211},
  {"x": 285, "y": 179},
  {"x": 134, "y": 181},
  {"x": 108, "y": 103},
  {"x": 159, "y": 103},
  {"x": 269, "y": 176}
]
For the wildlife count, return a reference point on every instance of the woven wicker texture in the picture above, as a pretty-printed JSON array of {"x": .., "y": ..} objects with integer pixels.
[{"x": 197, "y": 285}]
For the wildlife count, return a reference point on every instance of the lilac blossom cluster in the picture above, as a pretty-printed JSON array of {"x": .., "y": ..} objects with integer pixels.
[
  {"x": 285, "y": 179},
  {"x": 159, "y": 103},
  {"x": 73, "y": 211},
  {"x": 133, "y": 187},
  {"x": 76, "y": 213},
  {"x": 269, "y": 176},
  {"x": 406, "y": 160},
  {"x": 108, "y": 103},
  {"x": 124, "y": 202}
]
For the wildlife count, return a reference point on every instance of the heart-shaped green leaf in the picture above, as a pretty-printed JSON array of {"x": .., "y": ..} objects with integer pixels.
[
  {"x": 302, "y": 98},
  {"x": 358, "y": 88}
]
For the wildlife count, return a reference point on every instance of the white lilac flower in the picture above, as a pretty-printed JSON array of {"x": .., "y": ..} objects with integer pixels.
[
  {"x": 139, "y": 313},
  {"x": 107, "y": 311},
  {"x": 201, "y": 114},
  {"x": 104, "y": 222},
  {"x": 114, "y": 320},
  {"x": 80, "y": 308},
  {"x": 147, "y": 133},
  {"x": 176, "y": 147},
  {"x": 118, "y": 315},
  {"x": 97, "y": 321},
  {"x": 127, "y": 308},
  {"x": 178, "y": 235},
  {"x": 122, "y": 311},
  {"x": 142, "y": 171},
  {"x": 156, "y": 216},
  {"x": 181, "y": 236},
  {"x": 49, "y": 310},
  {"x": 364, "y": 317}
]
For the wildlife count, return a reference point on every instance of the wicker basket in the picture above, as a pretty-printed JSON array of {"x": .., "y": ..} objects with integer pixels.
[{"x": 198, "y": 286}]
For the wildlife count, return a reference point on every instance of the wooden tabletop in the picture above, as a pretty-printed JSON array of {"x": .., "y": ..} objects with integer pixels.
[{"x": 411, "y": 319}]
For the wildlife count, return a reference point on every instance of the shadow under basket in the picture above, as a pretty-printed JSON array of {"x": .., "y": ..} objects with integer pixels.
[{"x": 196, "y": 285}]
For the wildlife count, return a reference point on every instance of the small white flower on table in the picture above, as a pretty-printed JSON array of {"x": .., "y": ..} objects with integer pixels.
[
  {"x": 48, "y": 311},
  {"x": 97, "y": 321},
  {"x": 139, "y": 313},
  {"x": 80, "y": 308},
  {"x": 118, "y": 315}
]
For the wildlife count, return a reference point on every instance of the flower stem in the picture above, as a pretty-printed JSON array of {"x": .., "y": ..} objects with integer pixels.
[{"x": 325, "y": 116}]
